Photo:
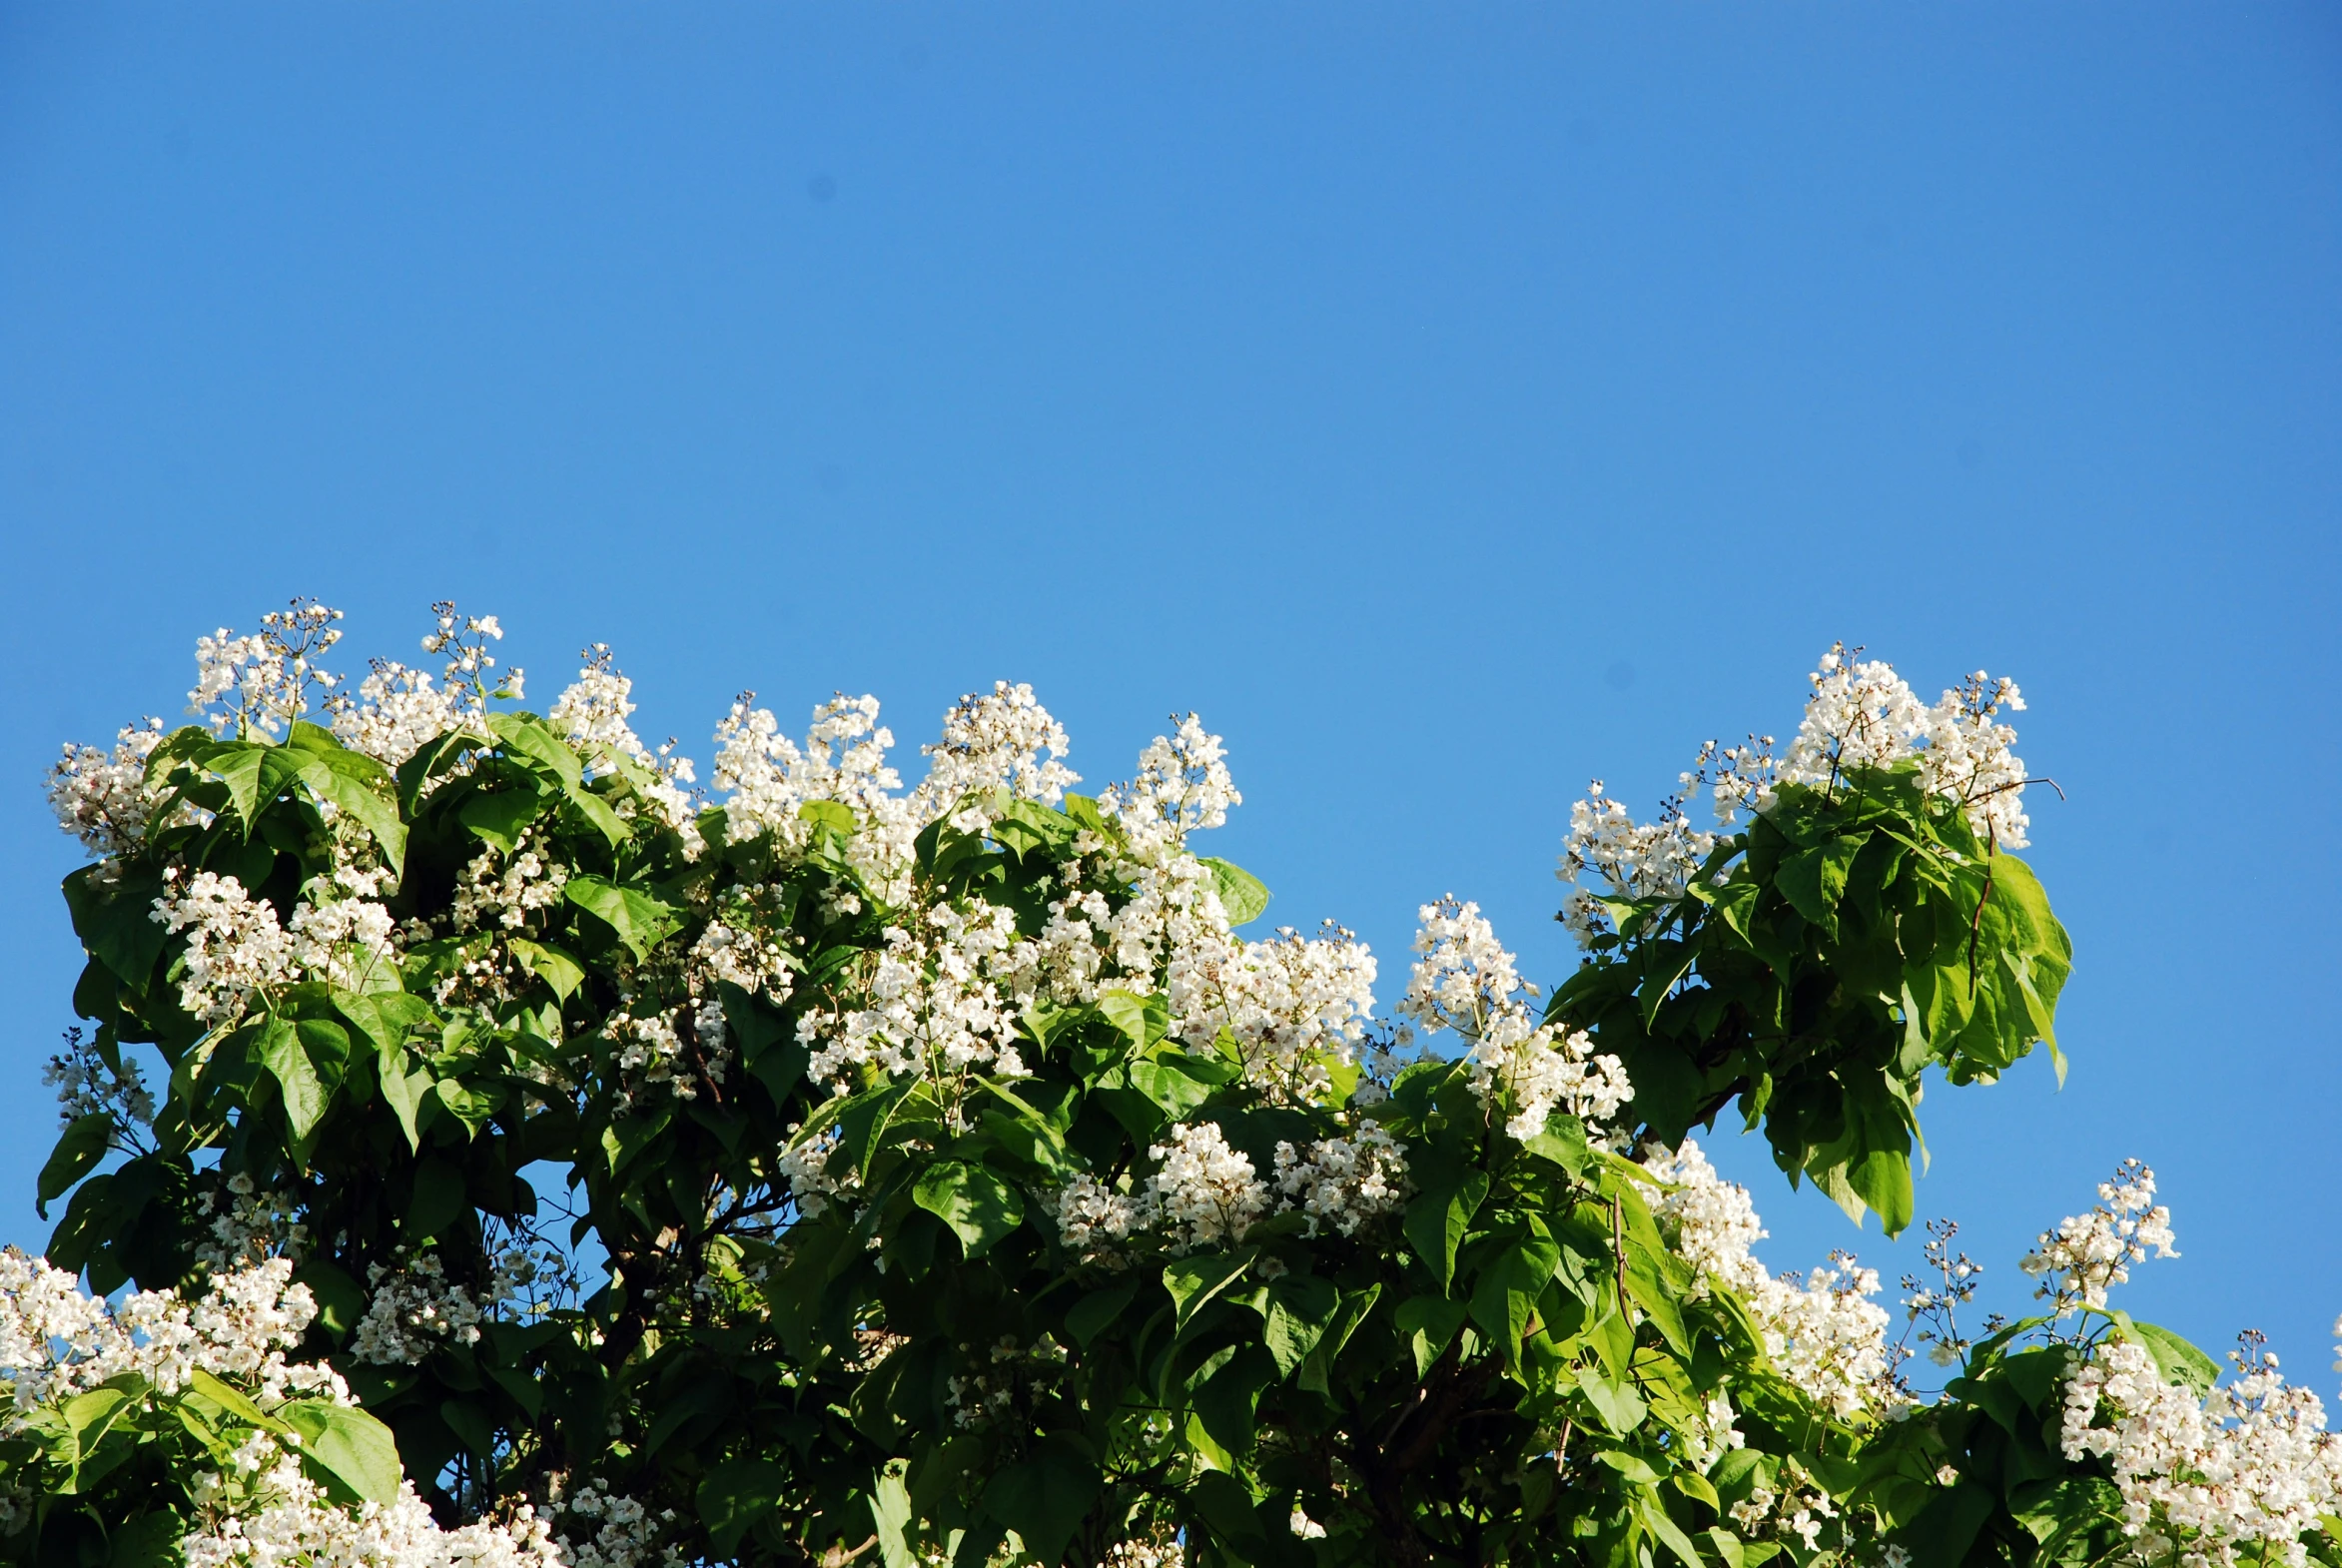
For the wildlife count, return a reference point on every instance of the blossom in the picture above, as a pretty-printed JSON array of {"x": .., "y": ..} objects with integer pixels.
[
  {"x": 1638, "y": 859},
  {"x": 1465, "y": 980},
  {"x": 234, "y": 945},
  {"x": 2086, "y": 1254},
  {"x": 101, "y": 797},
  {"x": 2249, "y": 1467},
  {"x": 1203, "y": 1190},
  {"x": 993, "y": 740},
  {"x": 1822, "y": 1331},
  {"x": 1345, "y": 1182},
  {"x": 412, "y": 1310}
]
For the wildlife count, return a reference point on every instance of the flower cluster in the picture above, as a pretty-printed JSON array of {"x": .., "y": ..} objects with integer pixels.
[
  {"x": 56, "y": 1341},
  {"x": 102, "y": 798},
  {"x": 608, "y": 1529},
  {"x": 1465, "y": 980},
  {"x": 1639, "y": 861},
  {"x": 993, "y": 740},
  {"x": 2248, "y": 1469},
  {"x": 1345, "y": 1182},
  {"x": 1861, "y": 714},
  {"x": 1203, "y": 1191},
  {"x": 2088, "y": 1253},
  {"x": 248, "y": 1226},
  {"x": 413, "y": 1310},
  {"x": 257, "y": 685},
  {"x": 1822, "y": 1333},
  {"x": 591, "y": 716}
]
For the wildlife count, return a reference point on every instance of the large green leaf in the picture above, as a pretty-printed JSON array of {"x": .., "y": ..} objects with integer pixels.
[
  {"x": 640, "y": 919},
  {"x": 524, "y": 736},
  {"x": 346, "y": 1450},
  {"x": 1440, "y": 1214},
  {"x": 1241, "y": 894},
  {"x": 734, "y": 1496},
  {"x": 79, "y": 1148},
  {"x": 1045, "y": 1499},
  {"x": 979, "y": 1207}
]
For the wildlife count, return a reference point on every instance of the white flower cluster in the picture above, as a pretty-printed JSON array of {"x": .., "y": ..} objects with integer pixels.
[
  {"x": 413, "y": 1310},
  {"x": 397, "y": 712},
  {"x": 1153, "y": 1551},
  {"x": 624, "y": 1533},
  {"x": 1866, "y": 715},
  {"x": 1293, "y": 1007},
  {"x": 1203, "y": 1191},
  {"x": 1345, "y": 1182},
  {"x": 88, "y": 1085},
  {"x": 102, "y": 798},
  {"x": 257, "y": 685},
  {"x": 2244, "y": 1473},
  {"x": 1801, "y": 1509},
  {"x": 649, "y": 1053},
  {"x": 278, "y": 1517},
  {"x": 1653, "y": 860},
  {"x": 1182, "y": 784},
  {"x": 2088, "y": 1253},
  {"x": 806, "y": 1166},
  {"x": 844, "y": 760},
  {"x": 248, "y": 1226},
  {"x": 236, "y": 947},
  {"x": 500, "y": 891},
  {"x": 1823, "y": 1332},
  {"x": 993, "y": 740},
  {"x": 1465, "y": 980},
  {"x": 56, "y": 1341},
  {"x": 932, "y": 1006},
  {"x": 1206, "y": 1193},
  {"x": 591, "y": 716}
]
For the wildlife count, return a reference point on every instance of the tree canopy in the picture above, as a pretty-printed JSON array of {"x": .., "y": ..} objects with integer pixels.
[{"x": 555, "y": 1163}]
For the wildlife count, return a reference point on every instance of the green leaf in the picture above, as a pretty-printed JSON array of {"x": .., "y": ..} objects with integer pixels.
[
  {"x": 1193, "y": 1280},
  {"x": 254, "y": 775},
  {"x": 1129, "y": 1015},
  {"x": 1814, "y": 880},
  {"x": 1428, "y": 1323},
  {"x": 1440, "y": 1215},
  {"x": 280, "y": 1051},
  {"x": 979, "y": 1207},
  {"x": 341, "y": 1301},
  {"x": 1240, "y": 893},
  {"x": 523, "y": 736},
  {"x": 735, "y": 1495},
  {"x": 346, "y": 1450},
  {"x": 502, "y": 818},
  {"x": 404, "y": 1089},
  {"x": 1505, "y": 1295},
  {"x": 1654, "y": 1515},
  {"x": 550, "y": 965},
  {"x": 79, "y": 1148},
  {"x": 1096, "y": 1312},
  {"x": 2178, "y": 1361},
  {"x": 640, "y": 921},
  {"x": 1175, "y": 1082},
  {"x": 1301, "y": 1309},
  {"x": 231, "y": 1398},
  {"x": 1045, "y": 1499},
  {"x": 358, "y": 787}
]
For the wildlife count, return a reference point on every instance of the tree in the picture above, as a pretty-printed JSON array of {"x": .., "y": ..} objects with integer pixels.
[{"x": 556, "y": 1165}]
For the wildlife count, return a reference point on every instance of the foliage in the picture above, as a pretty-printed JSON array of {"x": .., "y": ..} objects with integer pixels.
[{"x": 836, "y": 1170}]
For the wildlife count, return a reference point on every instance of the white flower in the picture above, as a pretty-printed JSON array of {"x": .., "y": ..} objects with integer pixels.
[
  {"x": 993, "y": 740},
  {"x": 1345, "y": 1181},
  {"x": 234, "y": 945},
  {"x": 1465, "y": 980},
  {"x": 2089, "y": 1252},
  {"x": 1638, "y": 859},
  {"x": 102, "y": 798},
  {"x": 1204, "y": 1192},
  {"x": 413, "y": 1310},
  {"x": 1822, "y": 1333}
]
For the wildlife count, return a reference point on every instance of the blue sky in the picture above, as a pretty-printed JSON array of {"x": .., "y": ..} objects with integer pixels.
[{"x": 1450, "y": 403}]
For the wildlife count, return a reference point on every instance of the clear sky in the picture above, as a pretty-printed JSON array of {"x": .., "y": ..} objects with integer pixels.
[{"x": 1451, "y": 403}]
